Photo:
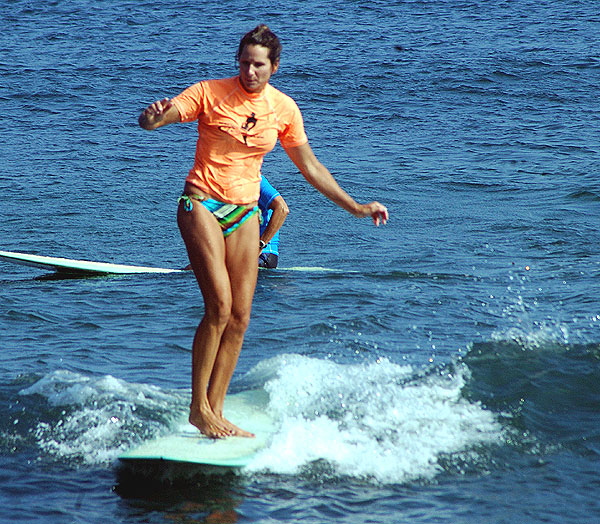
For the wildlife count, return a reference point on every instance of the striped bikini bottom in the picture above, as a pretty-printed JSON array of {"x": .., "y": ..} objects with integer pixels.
[{"x": 229, "y": 216}]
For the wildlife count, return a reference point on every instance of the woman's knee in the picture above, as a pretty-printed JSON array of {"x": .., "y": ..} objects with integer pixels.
[
  {"x": 218, "y": 312},
  {"x": 239, "y": 320}
]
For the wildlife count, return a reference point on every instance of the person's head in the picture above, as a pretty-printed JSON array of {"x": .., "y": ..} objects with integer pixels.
[
  {"x": 258, "y": 57},
  {"x": 262, "y": 35}
]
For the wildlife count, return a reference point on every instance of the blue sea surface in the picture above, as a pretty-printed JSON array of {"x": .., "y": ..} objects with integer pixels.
[{"x": 444, "y": 368}]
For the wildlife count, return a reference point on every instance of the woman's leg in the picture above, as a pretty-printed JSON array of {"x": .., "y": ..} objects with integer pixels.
[
  {"x": 241, "y": 254},
  {"x": 206, "y": 250}
]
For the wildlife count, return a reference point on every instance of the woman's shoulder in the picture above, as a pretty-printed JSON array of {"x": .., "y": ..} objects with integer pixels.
[
  {"x": 210, "y": 89},
  {"x": 280, "y": 97},
  {"x": 218, "y": 83}
]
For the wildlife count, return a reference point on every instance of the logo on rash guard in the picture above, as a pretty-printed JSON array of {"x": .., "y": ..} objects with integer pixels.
[{"x": 247, "y": 126}]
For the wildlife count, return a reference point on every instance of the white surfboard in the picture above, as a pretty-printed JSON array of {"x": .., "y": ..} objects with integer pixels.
[
  {"x": 71, "y": 266},
  {"x": 314, "y": 269},
  {"x": 187, "y": 445}
]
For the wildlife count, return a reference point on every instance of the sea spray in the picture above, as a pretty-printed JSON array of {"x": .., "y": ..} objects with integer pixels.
[
  {"x": 90, "y": 420},
  {"x": 380, "y": 420}
]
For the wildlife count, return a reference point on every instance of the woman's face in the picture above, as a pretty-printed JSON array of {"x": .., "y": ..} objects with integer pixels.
[{"x": 256, "y": 68}]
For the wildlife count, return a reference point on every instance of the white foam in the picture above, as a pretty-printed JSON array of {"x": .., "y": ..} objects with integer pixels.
[
  {"x": 379, "y": 421},
  {"x": 99, "y": 416},
  {"x": 532, "y": 337}
]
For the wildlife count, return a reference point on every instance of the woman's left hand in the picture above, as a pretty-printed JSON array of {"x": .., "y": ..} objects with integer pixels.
[{"x": 378, "y": 212}]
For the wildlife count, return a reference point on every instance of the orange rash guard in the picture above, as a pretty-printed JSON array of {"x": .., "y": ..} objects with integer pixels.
[{"x": 236, "y": 129}]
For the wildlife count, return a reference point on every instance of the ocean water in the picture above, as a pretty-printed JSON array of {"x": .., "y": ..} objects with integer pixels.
[{"x": 444, "y": 368}]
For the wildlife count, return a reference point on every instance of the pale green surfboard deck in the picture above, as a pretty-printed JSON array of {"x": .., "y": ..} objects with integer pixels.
[
  {"x": 68, "y": 265},
  {"x": 186, "y": 444}
]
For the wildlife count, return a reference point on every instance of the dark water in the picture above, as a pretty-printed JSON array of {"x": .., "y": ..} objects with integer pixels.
[{"x": 443, "y": 368}]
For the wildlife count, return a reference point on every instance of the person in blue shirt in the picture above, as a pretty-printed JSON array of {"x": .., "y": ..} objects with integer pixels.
[{"x": 274, "y": 211}]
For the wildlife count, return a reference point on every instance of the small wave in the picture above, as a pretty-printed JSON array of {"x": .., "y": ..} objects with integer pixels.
[
  {"x": 379, "y": 421},
  {"x": 590, "y": 196},
  {"x": 548, "y": 388},
  {"x": 90, "y": 420}
]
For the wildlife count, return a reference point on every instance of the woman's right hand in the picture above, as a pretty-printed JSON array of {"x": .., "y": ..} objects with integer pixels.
[{"x": 158, "y": 114}]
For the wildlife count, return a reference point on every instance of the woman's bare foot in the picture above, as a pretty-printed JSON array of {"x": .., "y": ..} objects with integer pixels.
[
  {"x": 209, "y": 424},
  {"x": 238, "y": 432}
]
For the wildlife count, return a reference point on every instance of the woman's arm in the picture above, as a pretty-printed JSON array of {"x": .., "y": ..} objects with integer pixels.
[
  {"x": 321, "y": 179},
  {"x": 158, "y": 114}
]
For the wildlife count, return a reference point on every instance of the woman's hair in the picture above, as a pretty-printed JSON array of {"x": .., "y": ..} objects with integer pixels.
[{"x": 261, "y": 35}]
